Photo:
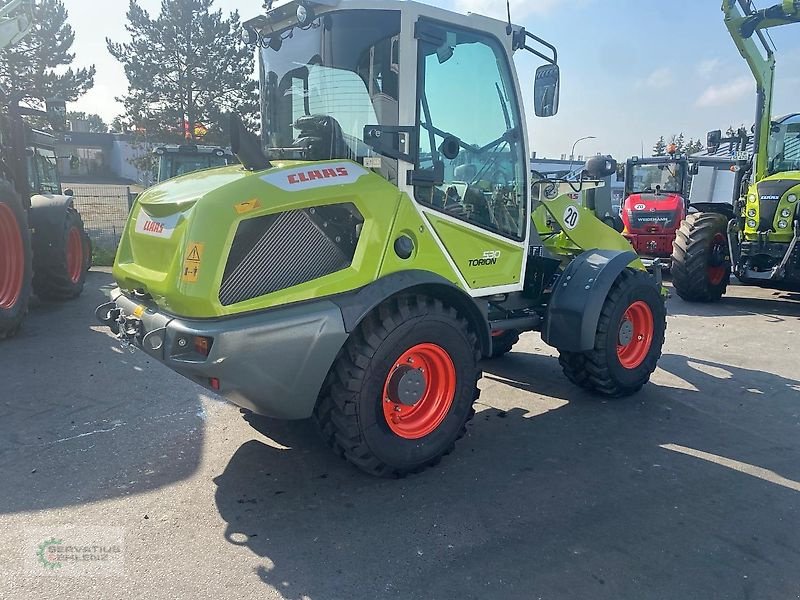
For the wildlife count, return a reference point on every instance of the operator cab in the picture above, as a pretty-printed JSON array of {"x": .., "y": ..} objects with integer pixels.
[
  {"x": 41, "y": 160},
  {"x": 784, "y": 145},
  {"x": 176, "y": 160},
  {"x": 427, "y": 99}
]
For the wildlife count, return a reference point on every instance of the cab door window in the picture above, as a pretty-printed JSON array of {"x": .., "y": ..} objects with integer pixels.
[{"x": 470, "y": 132}]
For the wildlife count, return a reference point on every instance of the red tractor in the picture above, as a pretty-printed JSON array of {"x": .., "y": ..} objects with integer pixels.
[{"x": 656, "y": 201}]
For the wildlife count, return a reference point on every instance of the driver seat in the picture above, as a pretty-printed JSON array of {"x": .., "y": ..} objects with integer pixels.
[{"x": 321, "y": 138}]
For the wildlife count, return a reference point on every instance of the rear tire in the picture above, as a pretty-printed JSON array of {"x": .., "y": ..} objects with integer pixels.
[
  {"x": 15, "y": 261},
  {"x": 701, "y": 265},
  {"x": 628, "y": 342},
  {"x": 503, "y": 343},
  {"x": 408, "y": 341},
  {"x": 61, "y": 274}
]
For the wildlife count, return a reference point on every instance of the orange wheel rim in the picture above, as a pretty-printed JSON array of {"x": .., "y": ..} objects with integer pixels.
[
  {"x": 12, "y": 259},
  {"x": 419, "y": 391},
  {"x": 635, "y": 336},
  {"x": 74, "y": 255}
]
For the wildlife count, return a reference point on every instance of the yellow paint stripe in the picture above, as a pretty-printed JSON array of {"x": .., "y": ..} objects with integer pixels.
[{"x": 741, "y": 467}]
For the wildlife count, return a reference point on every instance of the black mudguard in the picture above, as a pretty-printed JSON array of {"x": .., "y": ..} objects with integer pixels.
[
  {"x": 576, "y": 303},
  {"x": 47, "y": 216},
  {"x": 357, "y": 305}
]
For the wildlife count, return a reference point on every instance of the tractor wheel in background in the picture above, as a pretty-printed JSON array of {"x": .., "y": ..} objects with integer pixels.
[
  {"x": 402, "y": 389},
  {"x": 503, "y": 342},
  {"x": 701, "y": 263},
  {"x": 15, "y": 261},
  {"x": 628, "y": 342},
  {"x": 62, "y": 273}
]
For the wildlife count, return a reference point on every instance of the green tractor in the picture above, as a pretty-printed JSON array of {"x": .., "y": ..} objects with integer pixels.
[
  {"x": 382, "y": 237},
  {"x": 755, "y": 239},
  {"x": 174, "y": 160}
]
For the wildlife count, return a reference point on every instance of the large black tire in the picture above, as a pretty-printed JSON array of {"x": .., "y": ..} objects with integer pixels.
[
  {"x": 60, "y": 273},
  {"x": 701, "y": 266},
  {"x": 504, "y": 342},
  {"x": 354, "y": 406},
  {"x": 612, "y": 369},
  {"x": 15, "y": 261}
]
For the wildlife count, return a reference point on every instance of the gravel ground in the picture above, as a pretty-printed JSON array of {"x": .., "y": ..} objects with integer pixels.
[{"x": 689, "y": 490}]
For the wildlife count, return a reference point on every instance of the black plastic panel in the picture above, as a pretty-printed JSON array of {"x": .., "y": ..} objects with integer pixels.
[{"x": 279, "y": 251}]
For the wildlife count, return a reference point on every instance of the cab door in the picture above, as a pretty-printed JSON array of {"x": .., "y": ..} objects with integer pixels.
[{"x": 471, "y": 173}]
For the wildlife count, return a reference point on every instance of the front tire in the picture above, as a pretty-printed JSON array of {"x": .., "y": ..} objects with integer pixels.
[
  {"x": 15, "y": 262},
  {"x": 628, "y": 342},
  {"x": 60, "y": 273},
  {"x": 701, "y": 265},
  {"x": 402, "y": 390}
]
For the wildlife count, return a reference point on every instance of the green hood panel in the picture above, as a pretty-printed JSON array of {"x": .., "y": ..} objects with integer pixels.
[{"x": 179, "y": 234}]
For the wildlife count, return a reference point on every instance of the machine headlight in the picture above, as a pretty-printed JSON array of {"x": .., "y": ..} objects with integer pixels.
[
  {"x": 752, "y": 198},
  {"x": 305, "y": 14},
  {"x": 792, "y": 198},
  {"x": 786, "y": 213},
  {"x": 783, "y": 224},
  {"x": 751, "y": 224},
  {"x": 751, "y": 212}
]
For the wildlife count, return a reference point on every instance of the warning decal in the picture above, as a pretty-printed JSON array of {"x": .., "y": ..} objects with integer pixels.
[
  {"x": 191, "y": 264},
  {"x": 246, "y": 207}
]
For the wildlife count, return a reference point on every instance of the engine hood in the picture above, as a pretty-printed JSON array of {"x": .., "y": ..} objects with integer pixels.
[
  {"x": 179, "y": 233},
  {"x": 653, "y": 213}
]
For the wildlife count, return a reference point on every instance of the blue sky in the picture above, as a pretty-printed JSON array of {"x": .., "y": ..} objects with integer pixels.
[{"x": 632, "y": 69}]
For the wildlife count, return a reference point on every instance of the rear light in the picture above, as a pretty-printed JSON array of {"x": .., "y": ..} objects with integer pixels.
[
  {"x": 202, "y": 345},
  {"x": 213, "y": 383}
]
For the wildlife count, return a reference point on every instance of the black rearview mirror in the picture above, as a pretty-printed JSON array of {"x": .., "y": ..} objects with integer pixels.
[
  {"x": 545, "y": 90},
  {"x": 600, "y": 167}
]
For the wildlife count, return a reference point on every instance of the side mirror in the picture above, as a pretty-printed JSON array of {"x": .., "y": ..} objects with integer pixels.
[
  {"x": 694, "y": 168},
  {"x": 69, "y": 192},
  {"x": 546, "y": 87},
  {"x": 600, "y": 167},
  {"x": 713, "y": 141},
  {"x": 621, "y": 172},
  {"x": 57, "y": 114}
]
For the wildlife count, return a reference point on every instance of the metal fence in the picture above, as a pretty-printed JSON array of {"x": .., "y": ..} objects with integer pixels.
[{"x": 104, "y": 209}]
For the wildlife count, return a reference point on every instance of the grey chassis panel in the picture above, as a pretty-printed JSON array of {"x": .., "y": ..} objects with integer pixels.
[
  {"x": 574, "y": 309},
  {"x": 273, "y": 362}
]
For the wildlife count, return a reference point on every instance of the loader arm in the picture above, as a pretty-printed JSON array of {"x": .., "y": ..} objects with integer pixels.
[
  {"x": 747, "y": 28},
  {"x": 16, "y": 22}
]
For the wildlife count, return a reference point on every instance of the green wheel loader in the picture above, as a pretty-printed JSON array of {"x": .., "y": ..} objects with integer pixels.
[
  {"x": 756, "y": 238},
  {"x": 382, "y": 237}
]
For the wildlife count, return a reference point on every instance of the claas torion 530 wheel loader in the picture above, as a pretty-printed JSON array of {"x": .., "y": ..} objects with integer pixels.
[{"x": 382, "y": 237}]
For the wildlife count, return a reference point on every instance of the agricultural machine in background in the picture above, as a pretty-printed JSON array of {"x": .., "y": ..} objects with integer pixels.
[
  {"x": 43, "y": 245},
  {"x": 755, "y": 238},
  {"x": 382, "y": 237},
  {"x": 655, "y": 203},
  {"x": 174, "y": 160}
]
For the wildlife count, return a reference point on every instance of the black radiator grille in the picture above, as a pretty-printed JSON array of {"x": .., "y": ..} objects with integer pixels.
[{"x": 279, "y": 251}]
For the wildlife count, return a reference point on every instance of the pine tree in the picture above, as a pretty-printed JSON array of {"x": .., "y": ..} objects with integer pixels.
[
  {"x": 35, "y": 67},
  {"x": 660, "y": 148},
  {"x": 679, "y": 141},
  {"x": 186, "y": 68}
]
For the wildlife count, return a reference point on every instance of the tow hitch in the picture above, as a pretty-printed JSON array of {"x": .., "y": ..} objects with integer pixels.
[{"x": 126, "y": 327}]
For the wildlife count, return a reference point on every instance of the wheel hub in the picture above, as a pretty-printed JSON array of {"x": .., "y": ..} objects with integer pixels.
[
  {"x": 635, "y": 335},
  {"x": 406, "y": 385},
  {"x": 625, "y": 333},
  {"x": 419, "y": 391}
]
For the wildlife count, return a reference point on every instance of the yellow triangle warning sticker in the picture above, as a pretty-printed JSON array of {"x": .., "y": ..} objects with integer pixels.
[
  {"x": 191, "y": 264},
  {"x": 194, "y": 253}
]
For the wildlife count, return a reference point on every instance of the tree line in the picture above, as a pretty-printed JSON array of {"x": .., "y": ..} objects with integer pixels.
[
  {"x": 186, "y": 69},
  {"x": 683, "y": 146}
]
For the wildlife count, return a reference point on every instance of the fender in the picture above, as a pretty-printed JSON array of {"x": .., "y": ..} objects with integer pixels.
[
  {"x": 576, "y": 304},
  {"x": 357, "y": 305},
  {"x": 46, "y": 218}
]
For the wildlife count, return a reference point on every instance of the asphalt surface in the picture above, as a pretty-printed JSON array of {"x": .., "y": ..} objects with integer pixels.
[{"x": 689, "y": 490}]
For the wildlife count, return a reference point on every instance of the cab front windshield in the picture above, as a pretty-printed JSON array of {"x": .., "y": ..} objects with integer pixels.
[
  {"x": 784, "y": 146},
  {"x": 327, "y": 81},
  {"x": 664, "y": 178}
]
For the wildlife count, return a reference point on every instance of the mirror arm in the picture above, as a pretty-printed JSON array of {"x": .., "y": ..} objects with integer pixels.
[{"x": 521, "y": 43}]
